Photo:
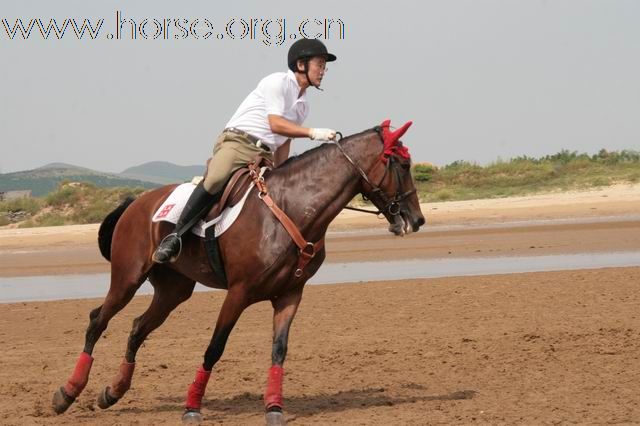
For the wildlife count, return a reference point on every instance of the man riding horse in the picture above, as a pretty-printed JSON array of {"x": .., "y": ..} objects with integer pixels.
[
  {"x": 262, "y": 126},
  {"x": 270, "y": 253}
]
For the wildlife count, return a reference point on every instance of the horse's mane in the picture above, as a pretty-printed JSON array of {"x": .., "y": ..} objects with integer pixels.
[{"x": 317, "y": 151}]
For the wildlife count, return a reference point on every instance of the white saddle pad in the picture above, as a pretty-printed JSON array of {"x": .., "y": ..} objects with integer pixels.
[{"x": 171, "y": 209}]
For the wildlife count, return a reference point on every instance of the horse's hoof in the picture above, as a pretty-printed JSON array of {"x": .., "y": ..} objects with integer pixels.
[
  {"x": 105, "y": 400},
  {"x": 192, "y": 417},
  {"x": 275, "y": 418},
  {"x": 61, "y": 401}
]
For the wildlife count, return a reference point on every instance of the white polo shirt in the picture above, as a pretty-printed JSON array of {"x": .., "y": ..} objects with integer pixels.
[{"x": 276, "y": 94}]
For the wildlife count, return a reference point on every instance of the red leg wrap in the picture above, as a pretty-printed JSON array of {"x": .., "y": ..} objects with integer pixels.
[
  {"x": 122, "y": 382},
  {"x": 273, "y": 395},
  {"x": 196, "y": 389},
  {"x": 80, "y": 375}
]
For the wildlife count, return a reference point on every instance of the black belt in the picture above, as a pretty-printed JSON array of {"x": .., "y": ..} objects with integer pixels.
[{"x": 257, "y": 142}]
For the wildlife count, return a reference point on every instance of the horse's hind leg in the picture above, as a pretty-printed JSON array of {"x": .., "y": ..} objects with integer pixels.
[
  {"x": 171, "y": 289},
  {"x": 123, "y": 288}
]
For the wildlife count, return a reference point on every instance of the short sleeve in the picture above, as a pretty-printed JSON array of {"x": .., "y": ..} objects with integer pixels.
[{"x": 274, "y": 96}]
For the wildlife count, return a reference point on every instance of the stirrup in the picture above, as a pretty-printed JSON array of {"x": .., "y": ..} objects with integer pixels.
[{"x": 175, "y": 256}]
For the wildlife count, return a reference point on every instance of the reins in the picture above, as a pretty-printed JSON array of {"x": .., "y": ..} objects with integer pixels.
[
  {"x": 391, "y": 204},
  {"x": 306, "y": 249}
]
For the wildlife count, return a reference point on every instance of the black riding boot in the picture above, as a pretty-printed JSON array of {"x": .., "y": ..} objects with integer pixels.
[{"x": 197, "y": 206}]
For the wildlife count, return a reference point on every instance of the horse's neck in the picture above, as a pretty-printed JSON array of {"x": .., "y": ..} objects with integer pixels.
[
  {"x": 319, "y": 186},
  {"x": 346, "y": 180}
]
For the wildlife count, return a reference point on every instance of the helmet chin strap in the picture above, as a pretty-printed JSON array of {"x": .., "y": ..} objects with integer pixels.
[
  {"x": 306, "y": 74},
  {"x": 310, "y": 83}
]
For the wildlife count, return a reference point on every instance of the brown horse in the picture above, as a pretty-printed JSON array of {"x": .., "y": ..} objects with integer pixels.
[{"x": 260, "y": 258}]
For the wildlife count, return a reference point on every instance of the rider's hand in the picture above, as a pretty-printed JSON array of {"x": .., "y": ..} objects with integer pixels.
[{"x": 322, "y": 134}]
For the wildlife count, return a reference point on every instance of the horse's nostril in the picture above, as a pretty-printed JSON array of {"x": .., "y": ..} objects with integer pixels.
[{"x": 421, "y": 221}]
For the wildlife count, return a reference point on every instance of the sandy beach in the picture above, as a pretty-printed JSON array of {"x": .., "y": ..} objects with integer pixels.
[
  {"x": 531, "y": 348},
  {"x": 549, "y": 222}
]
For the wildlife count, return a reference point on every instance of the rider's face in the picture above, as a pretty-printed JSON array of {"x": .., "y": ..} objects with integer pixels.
[{"x": 317, "y": 69}]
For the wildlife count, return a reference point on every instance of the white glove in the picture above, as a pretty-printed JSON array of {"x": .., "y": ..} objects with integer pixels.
[{"x": 322, "y": 134}]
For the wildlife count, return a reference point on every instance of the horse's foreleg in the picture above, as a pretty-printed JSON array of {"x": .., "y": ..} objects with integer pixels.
[
  {"x": 171, "y": 289},
  {"x": 117, "y": 298},
  {"x": 284, "y": 309},
  {"x": 234, "y": 304}
]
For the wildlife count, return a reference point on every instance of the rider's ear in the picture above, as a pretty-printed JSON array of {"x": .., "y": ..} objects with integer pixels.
[{"x": 301, "y": 65}]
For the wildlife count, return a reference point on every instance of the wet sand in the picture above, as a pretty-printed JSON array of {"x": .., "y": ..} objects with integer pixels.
[
  {"x": 534, "y": 348},
  {"x": 342, "y": 247},
  {"x": 513, "y": 349}
]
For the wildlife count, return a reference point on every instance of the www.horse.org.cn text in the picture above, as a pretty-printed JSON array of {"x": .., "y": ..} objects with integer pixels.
[{"x": 268, "y": 31}]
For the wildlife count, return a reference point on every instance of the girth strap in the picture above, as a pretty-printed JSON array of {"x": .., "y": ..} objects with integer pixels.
[{"x": 307, "y": 250}]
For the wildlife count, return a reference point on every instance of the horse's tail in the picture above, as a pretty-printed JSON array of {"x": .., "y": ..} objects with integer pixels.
[{"x": 105, "y": 234}]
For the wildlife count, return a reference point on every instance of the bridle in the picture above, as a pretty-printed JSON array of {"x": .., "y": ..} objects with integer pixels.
[{"x": 391, "y": 203}]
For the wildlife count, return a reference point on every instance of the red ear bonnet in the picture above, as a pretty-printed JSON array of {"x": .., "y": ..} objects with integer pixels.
[{"x": 390, "y": 139}]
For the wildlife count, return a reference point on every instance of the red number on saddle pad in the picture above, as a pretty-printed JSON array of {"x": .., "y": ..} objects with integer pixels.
[{"x": 165, "y": 211}]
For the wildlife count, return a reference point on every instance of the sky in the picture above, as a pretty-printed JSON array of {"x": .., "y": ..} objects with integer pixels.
[{"x": 482, "y": 80}]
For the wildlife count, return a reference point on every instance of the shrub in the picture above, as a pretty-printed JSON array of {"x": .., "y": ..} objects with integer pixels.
[
  {"x": 29, "y": 205},
  {"x": 601, "y": 181},
  {"x": 64, "y": 195},
  {"x": 47, "y": 219},
  {"x": 443, "y": 195},
  {"x": 93, "y": 213},
  {"x": 423, "y": 172},
  {"x": 563, "y": 157}
]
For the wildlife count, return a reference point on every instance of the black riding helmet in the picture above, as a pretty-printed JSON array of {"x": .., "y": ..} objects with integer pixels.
[{"x": 306, "y": 49}]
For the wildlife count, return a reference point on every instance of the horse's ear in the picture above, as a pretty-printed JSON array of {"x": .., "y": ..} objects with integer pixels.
[{"x": 390, "y": 138}]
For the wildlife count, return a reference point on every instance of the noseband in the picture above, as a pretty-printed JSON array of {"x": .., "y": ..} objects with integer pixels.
[{"x": 391, "y": 203}]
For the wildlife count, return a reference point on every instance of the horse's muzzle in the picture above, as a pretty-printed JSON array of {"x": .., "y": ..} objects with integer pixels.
[{"x": 406, "y": 223}]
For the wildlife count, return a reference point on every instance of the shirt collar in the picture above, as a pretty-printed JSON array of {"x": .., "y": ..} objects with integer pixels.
[{"x": 291, "y": 76}]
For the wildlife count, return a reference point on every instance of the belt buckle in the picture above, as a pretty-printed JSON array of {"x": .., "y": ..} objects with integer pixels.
[{"x": 263, "y": 146}]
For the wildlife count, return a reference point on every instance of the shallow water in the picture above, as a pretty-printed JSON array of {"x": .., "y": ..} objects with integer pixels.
[
  {"x": 57, "y": 287},
  {"x": 382, "y": 229}
]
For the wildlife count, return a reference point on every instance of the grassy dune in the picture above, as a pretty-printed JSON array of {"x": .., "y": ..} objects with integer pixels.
[
  {"x": 78, "y": 203},
  {"x": 524, "y": 175},
  {"x": 72, "y": 203}
]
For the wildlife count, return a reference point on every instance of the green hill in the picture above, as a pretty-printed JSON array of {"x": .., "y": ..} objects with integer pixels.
[
  {"x": 43, "y": 180},
  {"x": 163, "y": 172}
]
